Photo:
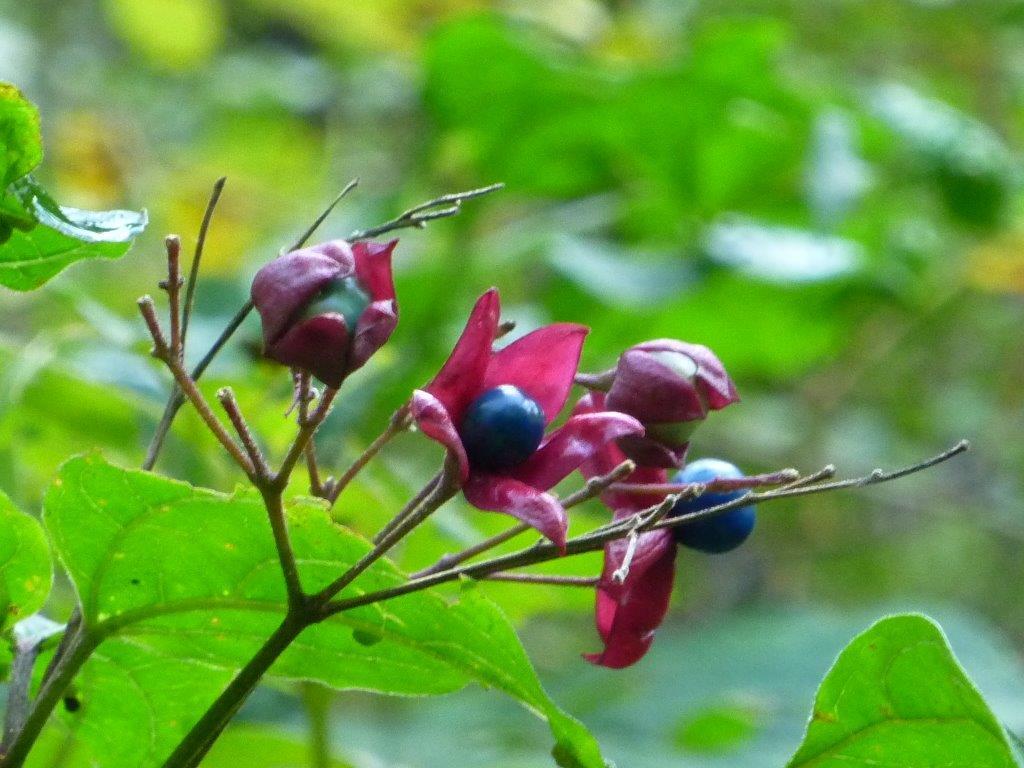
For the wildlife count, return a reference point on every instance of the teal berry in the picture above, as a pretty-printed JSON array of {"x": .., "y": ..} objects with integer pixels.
[
  {"x": 716, "y": 533},
  {"x": 502, "y": 428},
  {"x": 341, "y": 296}
]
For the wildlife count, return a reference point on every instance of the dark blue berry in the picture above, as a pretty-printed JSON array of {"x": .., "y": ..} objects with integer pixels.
[
  {"x": 716, "y": 533},
  {"x": 502, "y": 428},
  {"x": 342, "y": 296}
]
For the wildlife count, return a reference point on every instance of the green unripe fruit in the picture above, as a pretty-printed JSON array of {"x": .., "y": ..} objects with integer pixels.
[{"x": 345, "y": 297}]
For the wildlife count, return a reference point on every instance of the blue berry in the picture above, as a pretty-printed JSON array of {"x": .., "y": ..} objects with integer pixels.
[
  {"x": 502, "y": 428},
  {"x": 343, "y": 296},
  {"x": 717, "y": 533}
]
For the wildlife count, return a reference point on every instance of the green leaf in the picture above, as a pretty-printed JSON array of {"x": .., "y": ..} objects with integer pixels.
[
  {"x": 13, "y": 216},
  {"x": 256, "y": 747},
  {"x": 29, "y": 259},
  {"x": 717, "y": 729},
  {"x": 62, "y": 236},
  {"x": 88, "y": 226},
  {"x": 973, "y": 167},
  {"x": 897, "y": 696},
  {"x": 25, "y": 568},
  {"x": 182, "y": 585},
  {"x": 21, "y": 143}
]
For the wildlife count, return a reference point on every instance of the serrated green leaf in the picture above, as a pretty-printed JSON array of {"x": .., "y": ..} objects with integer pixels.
[
  {"x": 25, "y": 568},
  {"x": 897, "y": 696},
  {"x": 21, "y": 143},
  {"x": 182, "y": 585}
]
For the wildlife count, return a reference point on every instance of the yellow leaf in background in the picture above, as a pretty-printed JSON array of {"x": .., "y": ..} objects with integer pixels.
[
  {"x": 998, "y": 264},
  {"x": 87, "y": 164},
  {"x": 170, "y": 34}
]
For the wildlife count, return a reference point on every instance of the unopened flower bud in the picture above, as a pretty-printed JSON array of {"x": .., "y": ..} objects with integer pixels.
[
  {"x": 326, "y": 309},
  {"x": 670, "y": 387}
]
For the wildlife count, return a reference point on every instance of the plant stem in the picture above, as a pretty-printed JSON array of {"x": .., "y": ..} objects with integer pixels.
[
  {"x": 411, "y": 506},
  {"x": 197, "y": 257},
  {"x": 418, "y": 216},
  {"x": 593, "y": 487},
  {"x": 201, "y": 736},
  {"x": 18, "y": 704},
  {"x": 717, "y": 484},
  {"x": 411, "y": 218},
  {"x": 450, "y": 561},
  {"x": 177, "y": 399},
  {"x": 303, "y": 394},
  {"x": 282, "y": 542},
  {"x": 188, "y": 386},
  {"x": 227, "y": 400},
  {"x": 543, "y": 578},
  {"x": 49, "y": 695},
  {"x": 305, "y": 434},
  {"x": 399, "y": 422},
  {"x": 443, "y": 489},
  {"x": 173, "y": 287},
  {"x": 595, "y": 540}
]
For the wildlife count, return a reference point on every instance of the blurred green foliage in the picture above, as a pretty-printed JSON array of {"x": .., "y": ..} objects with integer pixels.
[{"x": 828, "y": 194}]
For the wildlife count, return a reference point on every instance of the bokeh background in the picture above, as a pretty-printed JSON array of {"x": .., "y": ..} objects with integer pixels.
[{"x": 826, "y": 193}]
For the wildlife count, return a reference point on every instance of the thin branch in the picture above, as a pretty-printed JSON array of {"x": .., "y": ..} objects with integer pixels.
[
  {"x": 399, "y": 422},
  {"x": 825, "y": 473},
  {"x": 226, "y": 397},
  {"x": 443, "y": 489},
  {"x": 418, "y": 216},
  {"x": 18, "y": 704},
  {"x": 311, "y": 230},
  {"x": 594, "y": 541},
  {"x": 188, "y": 387},
  {"x": 715, "y": 485},
  {"x": 410, "y": 506},
  {"x": 642, "y": 521},
  {"x": 304, "y": 394},
  {"x": 597, "y": 382},
  {"x": 282, "y": 542},
  {"x": 302, "y": 439},
  {"x": 593, "y": 487},
  {"x": 176, "y": 399},
  {"x": 197, "y": 257},
  {"x": 173, "y": 287},
  {"x": 318, "y": 486},
  {"x": 50, "y": 693},
  {"x": 543, "y": 578},
  {"x": 451, "y": 560}
]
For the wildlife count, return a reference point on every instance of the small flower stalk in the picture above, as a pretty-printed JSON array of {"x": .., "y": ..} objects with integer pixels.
[{"x": 327, "y": 308}]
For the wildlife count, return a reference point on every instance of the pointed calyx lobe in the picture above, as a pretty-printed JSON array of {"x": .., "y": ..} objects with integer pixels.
[
  {"x": 327, "y": 308},
  {"x": 528, "y": 380},
  {"x": 628, "y": 614}
]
